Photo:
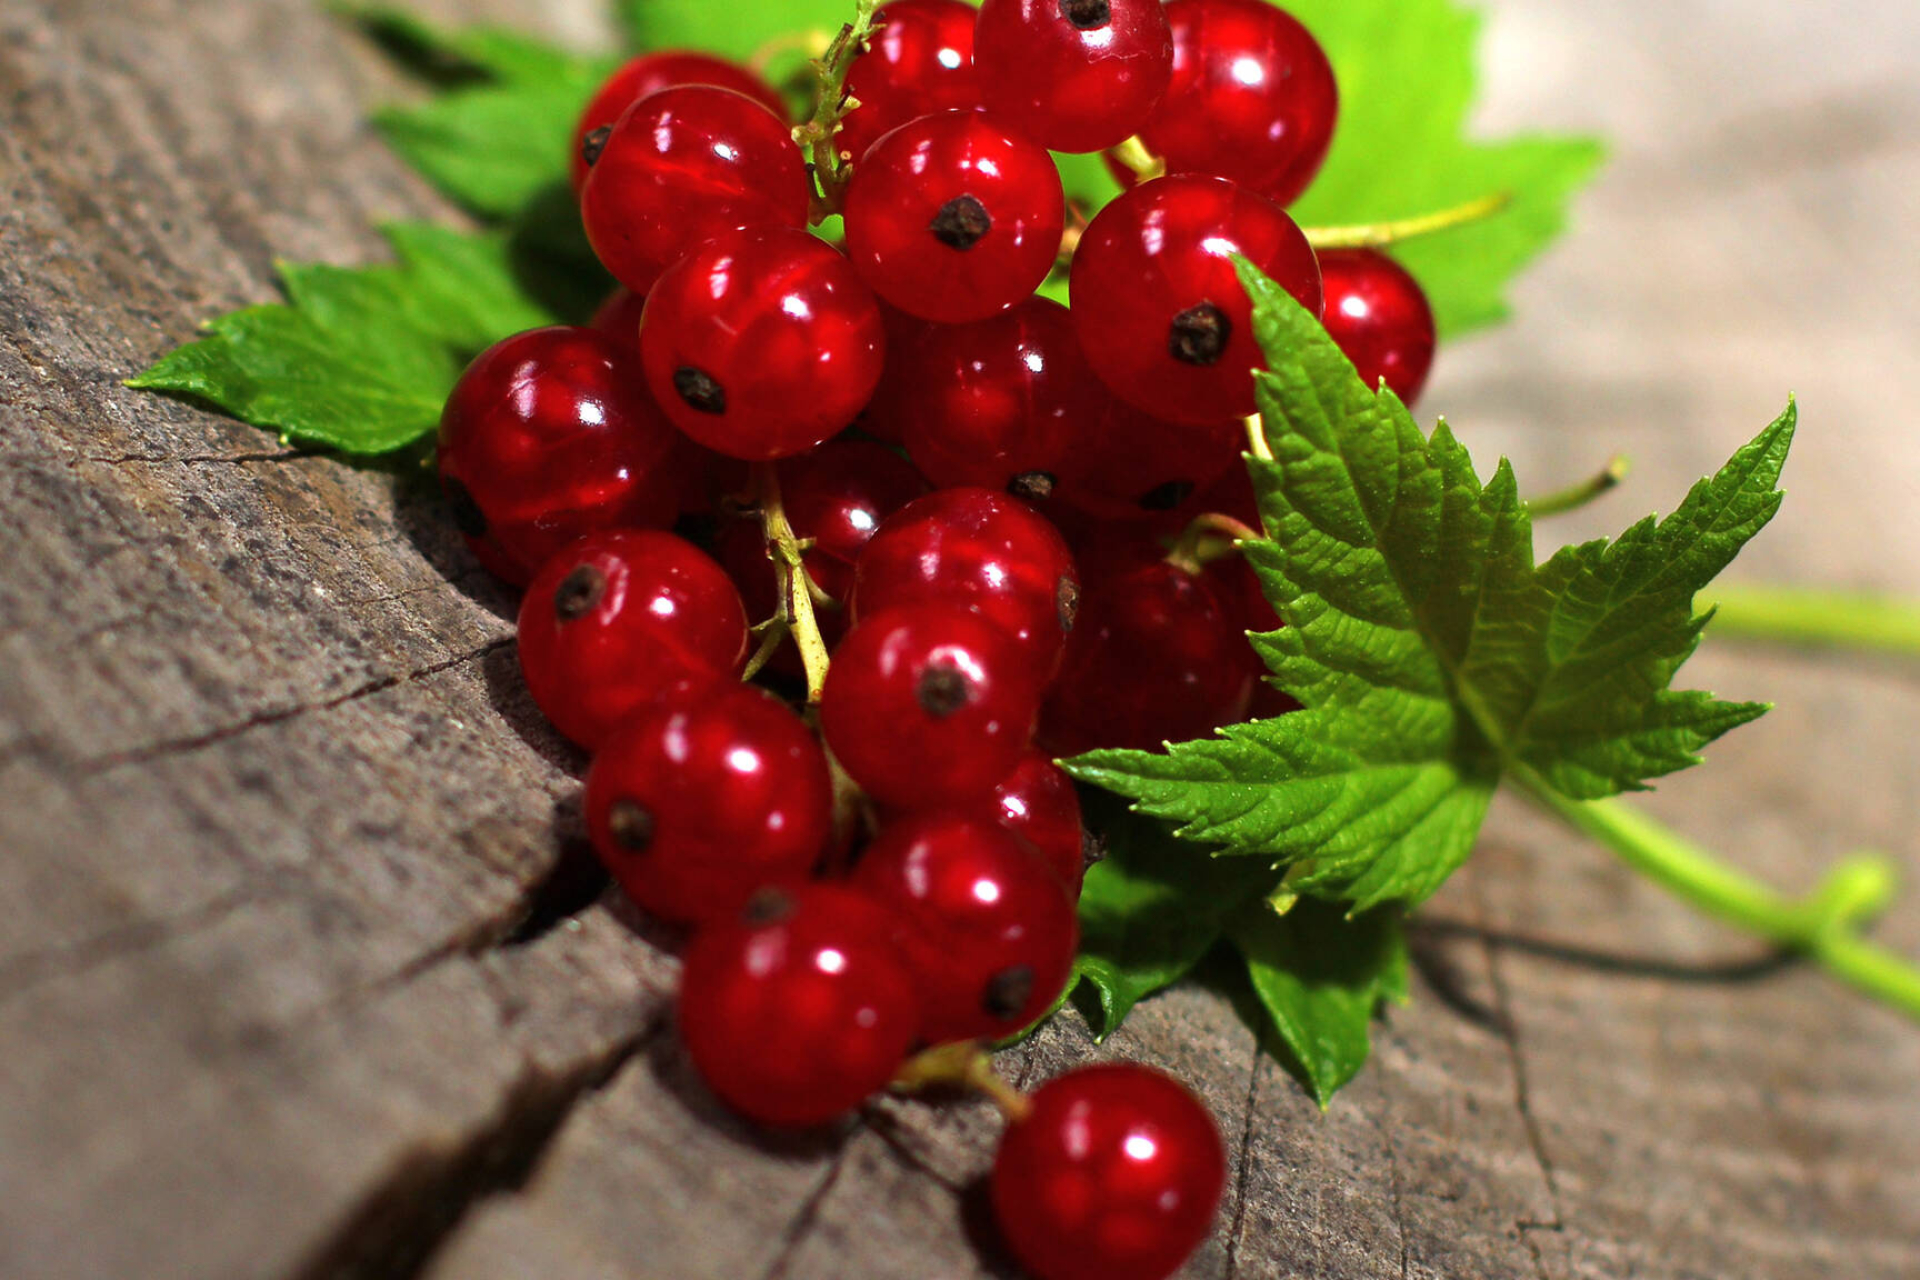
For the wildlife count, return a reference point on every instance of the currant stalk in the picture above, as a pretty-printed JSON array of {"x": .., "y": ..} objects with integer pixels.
[
  {"x": 1375, "y": 235},
  {"x": 798, "y": 592},
  {"x": 816, "y": 136},
  {"x": 1578, "y": 495},
  {"x": 967, "y": 1065},
  {"x": 1818, "y": 619}
]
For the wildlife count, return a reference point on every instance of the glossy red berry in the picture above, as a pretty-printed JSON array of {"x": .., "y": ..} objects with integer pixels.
[
  {"x": 1078, "y": 75},
  {"x": 987, "y": 928},
  {"x": 619, "y": 316},
  {"x": 920, "y": 61},
  {"x": 618, "y": 618},
  {"x": 762, "y": 343},
  {"x": 800, "y": 1008},
  {"x": 954, "y": 217},
  {"x": 1252, "y": 98},
  {"x": 699, "y": 801},
  {"x": 1130, "y": 466},
  {"x": 982, "y": 550},
  {"x": 683, "y": 165},
  {"x": 550, "y": 435},
  {"x": 1379, "y": 315},
  {"x": 647, "y": 75},
  {"x": 1161, "y": 315},
  {"x": 1114, "y": 1175},
  {"x": 1156, "y": 659},
  {"x": 928, "y": 705},
  {"x": 997, "y": 404},
  {"x": 1038, "y": 803}
]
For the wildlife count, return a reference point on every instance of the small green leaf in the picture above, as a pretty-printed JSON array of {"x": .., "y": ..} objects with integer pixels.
[
  {"x": 732, "y": 30},
  {"x": 1320, "y": 975},
  {"x": 360, "y": 360},
  {"x": 1151, "y": 908},
  {"x": 1429, "y": 653}
]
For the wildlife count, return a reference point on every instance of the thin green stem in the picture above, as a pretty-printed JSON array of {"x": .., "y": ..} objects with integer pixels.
[
  {"x": 1137, "y": 159},
  {"x": 816, "y": 138},
  {"x": 1575, "y": 496},
  {"x": 1823, "y": 926},
  {"x": 1375, "y": 235},
  {"x": 1816, "y": 619}
]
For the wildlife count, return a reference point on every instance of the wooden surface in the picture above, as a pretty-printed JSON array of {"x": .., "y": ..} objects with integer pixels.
[{"x": 273, "y": 808}]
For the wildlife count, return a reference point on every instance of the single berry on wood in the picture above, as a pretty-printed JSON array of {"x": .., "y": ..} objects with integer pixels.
[
  {"x": 1155, "y": 659},
  {"x": 762, "y": 343},
  {"x": 650, "y": 73},
  {"x": 1114, "y": 1175},
  {"x": 1076, "y": 75},
  {"x": 706, "y": 797},
  {"x": 987, "y": 928},
  {"x": 1161, "y": 314},
  {"x": 982, "y": 550},
  {"x": 928, "y": 704},
  {"x": 683, "y": 165},
  {"x": 617, "y": 619},
  {"x": 1252, "y": 98},
  {"x": 954, "y": 217},
  {"x": 1380, "y": 317},
  {"x": 550, "y": 435},
  {"x": 1000, "y": 403},
  {"x": 919, "y": 62},
  {"x": 800, "y": 1007}
]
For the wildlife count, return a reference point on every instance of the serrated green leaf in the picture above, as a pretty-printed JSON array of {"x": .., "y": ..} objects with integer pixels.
[
  {"x": 1320, "y": 976},
  {"x": 1151, "y": 908},
  {"x": 360, "y": 360},
  {"x": 1429, "y": 653},
  {"x": 1402, "y": 147}
]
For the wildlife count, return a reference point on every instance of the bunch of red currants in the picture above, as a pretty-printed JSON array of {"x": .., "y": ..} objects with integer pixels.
[{"x": 960, "y": 517}]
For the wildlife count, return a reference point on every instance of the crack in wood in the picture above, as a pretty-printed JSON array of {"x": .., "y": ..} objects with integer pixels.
[
  {"x": 1243, "y": 1160},
  {"x": 801, "y": 1226}
]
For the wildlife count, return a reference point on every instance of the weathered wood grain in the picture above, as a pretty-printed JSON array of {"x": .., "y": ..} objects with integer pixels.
[{"x": 273, "y": 808}]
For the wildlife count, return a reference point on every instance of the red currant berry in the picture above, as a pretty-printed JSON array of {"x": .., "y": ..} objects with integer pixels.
[
  {"x": 1155, "y": 659},
  {"x": 896, "y": 400},
  {"x": 647, "y": 75},
  {"x": 1379, "y": 315},
  {"x": 1161, "y": 315},
  {"x": 982, "y": 550},
  {"x": 953, "y": 218},
  {"x": 801, "y": 1008},
  {"x": 695, "y": 804},
  {"x": 1114, "y": 1175},
  {"x": 550, "y": 435},
  {"x": 611, "y": 623},
  {"x": 619, "y": 316},
  {"x": 683, "y": 165},
  {"x": 1252, "y": 98},
  {"x": 1000, "y": 403},
  {"x": 928, "y": 705},
  {"x": 919, "y": 62},
  {"x": 762, "y": 343},
  {"x": 1079, "y": 75},
  {"x": 1130, "y": 466},
  {"x": 1038, "y": 803},
  {"x": 986, "y": 927}
]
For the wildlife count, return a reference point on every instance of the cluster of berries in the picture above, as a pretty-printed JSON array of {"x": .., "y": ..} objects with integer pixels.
[{"x": 982, "y": 558}]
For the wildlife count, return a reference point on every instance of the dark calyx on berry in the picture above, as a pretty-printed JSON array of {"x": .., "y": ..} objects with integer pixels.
[
  {"x": 1008, "y": 991},
  {"x": 1086, "y": 14},
  {"x": 468, "y": 518},
  {"x": 1199, "y": 335},
  {"x": 578, "y": 592},
  {"x": 961, "y": 223},
  {"x": 767, "y": 906},
  {"x": 1066, "y": 602},
  {"x": 631, "y": 825},
  {"x": 700, "y": 391},
  {"x": 944, "y": 690},
  {"x": 1032, "y": 486},
  {"x": 1166, "y": 497},
  {"x": 594, "y": 143}
]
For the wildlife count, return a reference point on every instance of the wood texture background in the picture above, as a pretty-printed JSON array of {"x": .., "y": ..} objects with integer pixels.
[{"x": 273, "y": 807}]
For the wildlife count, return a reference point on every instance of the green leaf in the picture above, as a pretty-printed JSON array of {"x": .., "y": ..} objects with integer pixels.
[
  {"x": 1320, "y": 976},
  {"x": 733, "y": 30},
  {"x": 1151, "y": 908},
  {"x": 1430, "y": 654},
  {"x": 1401, "y": 148},
  {"x": 359, "y": 360}
]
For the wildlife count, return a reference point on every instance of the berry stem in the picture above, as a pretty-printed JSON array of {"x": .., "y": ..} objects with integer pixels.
[
  {"x": 1133, "y": 154},
  {"x": 816, "y": 137},
  {"x": 1208, "y": 537},
  {"x": 1575, "y": 496},
  {"x": 1257, "y": 438},
  {"x": 964, "y": 1064},
  {"x": 1374, "y": 235},
  {"x": 1823, "y": 926},
  {"x": 797, "y": 589},
  {"x": 1818, "y": 619}
]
